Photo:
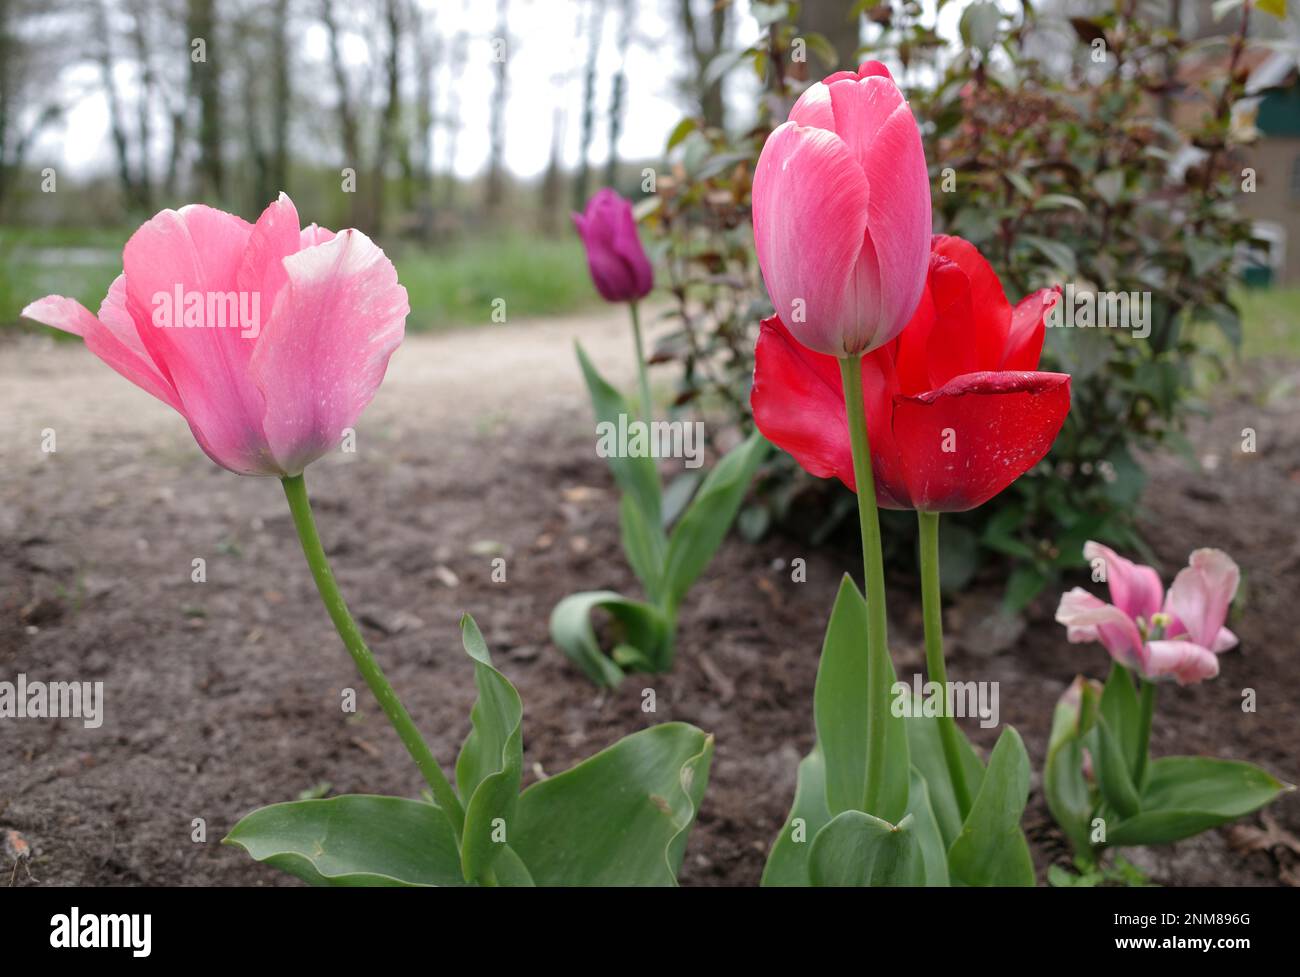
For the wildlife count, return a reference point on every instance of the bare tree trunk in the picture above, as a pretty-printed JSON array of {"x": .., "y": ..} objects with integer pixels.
[
  {"x": 428, "y": 50},
  {"x": 121, "y": 143},
  {"x": 595, "y": 25},
  {"x": 388, "y": 121},
  {"x": 456, "y": 69},
  {"x": 495, "y": 194},
  {"x": 205, "y": 85},
  {"x": 703, "y": 51},
  {"x": 149, "y": 86},
  {"x": 618, "y": 96},
  {"x": 349, "y": 133},
  {"x": 281, "y": 95},
  {"x": 835, "y": 21},
  {"x": 553, "y": 181}
]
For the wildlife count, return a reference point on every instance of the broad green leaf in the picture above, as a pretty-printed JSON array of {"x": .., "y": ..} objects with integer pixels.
[
  {"x": 934, "y": 850},
  {"x": 991, "y": 849},
  {"x": 1063, "y": 782},
  {"x": 700, "y": 531},
  {"x": 356, "y": 839},
  {"x": 844, "y": 688},
  {"x": 638, "y": 625},
  {"x": 490, "y": 766},
  {"x": 1112, "y": 771},
  {"x": 787, "y": 864},
  {"x": 1119, "y": 705},
  {"x": 636, "y": 476},
  {"x": 679, "y": 492},
  {"x": 620, "y": 817},
  {"x": 926, "y": 751},
  {"x": 1186, "y": 795},
  {"x": 644, "y": 545},
  {"x": 856, "y": 849}
]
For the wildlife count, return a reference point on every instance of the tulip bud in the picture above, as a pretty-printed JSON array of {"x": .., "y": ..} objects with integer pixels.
[{"x": 619, "y": 266}]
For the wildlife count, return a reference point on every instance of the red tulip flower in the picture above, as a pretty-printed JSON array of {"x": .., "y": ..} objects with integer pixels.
[{"x": 955, "y": 408}]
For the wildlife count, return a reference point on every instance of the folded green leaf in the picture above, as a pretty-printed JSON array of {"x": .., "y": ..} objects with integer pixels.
[
  {"x": 637, "y": 625},
  {"x": 843, "y": 690},
  {"x": 356, "y": 839},
  {"x": 926, "y": 751},
  {"x": 1112, "y": 767},
  {"x": 700, "y": 531},
  {"x": 1119, "y": 706},
  {"x": 787, "y": 864},
  {"x": 490, "y": 766},
  {"x": 620, "y": 817},
  {"x": 1064, "y": 785},
  {"x": 645, "y": 546},
  {"x": 934, "y": 850},
  {"x": 991, "y": 849},
  {"x": 1188, "y": 795},
  {"x": 856, "y": 849},
  {"x": 636, "y": 476}
]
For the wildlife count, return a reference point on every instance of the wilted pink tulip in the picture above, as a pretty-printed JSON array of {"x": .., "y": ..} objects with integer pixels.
[
  {"x": 268, "y": 339},
  {"x": 842, "y": 214},
  {"x": 618, "y": 263},
  {"x": 1181, "y": 636}
]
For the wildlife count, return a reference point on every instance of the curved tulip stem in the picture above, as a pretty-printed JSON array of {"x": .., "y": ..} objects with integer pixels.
[
  {"x": 295, "y": 489},
  {"x": 1146, "y": 712},
  {"x": 873, "y": 566},
  {"x": 934, "y": 664},
  {"x": 647, "y": 405}
]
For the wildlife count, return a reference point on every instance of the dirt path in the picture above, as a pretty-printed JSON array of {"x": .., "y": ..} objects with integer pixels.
[{"x": 225, "y": 695}]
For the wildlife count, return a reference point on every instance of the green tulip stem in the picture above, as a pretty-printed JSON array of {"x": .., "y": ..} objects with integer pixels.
[
  {"x": 647, "y": 405},
  {"x": 295, "y": 489},
  {"x": 934, "y": 664},
  {"x": 1146, "y": 712},
  {"x": 873, "y": 565}
]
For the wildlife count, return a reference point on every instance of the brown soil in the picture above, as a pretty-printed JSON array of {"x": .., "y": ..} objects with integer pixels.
[{"x": 224, "y": 696}]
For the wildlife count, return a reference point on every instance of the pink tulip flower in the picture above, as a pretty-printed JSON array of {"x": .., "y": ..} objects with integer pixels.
[
  {"x": 841, "y": 204},
  {"x": 1178, "y": 634},
  {"x": 619, "y": 266},
  {"x": 268, "y": 339}
]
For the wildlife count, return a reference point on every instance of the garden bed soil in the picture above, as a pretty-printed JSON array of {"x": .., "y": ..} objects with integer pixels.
[{"x": 225, "y": 695}]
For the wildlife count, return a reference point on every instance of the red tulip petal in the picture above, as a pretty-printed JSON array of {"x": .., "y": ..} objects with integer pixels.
[
  {"x": 995, "y": 425},
  {"x": 1025, "y": 338},
  {"x": 992, "y": 311},
  {"x": 798, "y": 404}
]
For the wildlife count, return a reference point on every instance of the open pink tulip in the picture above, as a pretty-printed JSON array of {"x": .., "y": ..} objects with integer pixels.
[
  {"x": 619, "y": 266},
  {"x": 1179, "y": 636},
  {"x": 841, "y": 203},
  {"x": 267, "y": 338}
]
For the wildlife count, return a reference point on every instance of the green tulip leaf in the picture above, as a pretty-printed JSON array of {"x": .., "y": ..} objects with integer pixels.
[
  {"x": 934, "y": 849},
  {"x": 840, "y": 700},
  {"x": 991, "y": 849},
  {"x": 621, "y": 817},
  {"x": 1111, "y": 765},
  {"x": 637, "y": 476},
  {"x": 1119, "y": 707},
  {"x": 490, "y": 766},
  {"x": 926, "y": 750},
  {"x": 856, "y": 849},
  {"x": 1186, "y": 795},
  {"x": 787, "y": 864},
  {"x": 1064, "y": 785},
  {"x": 637, "y": 625},
  {"x": 353, "y": 840},
  {"x": 701, "y": 529},
  {"x": 645, "y": 546}
]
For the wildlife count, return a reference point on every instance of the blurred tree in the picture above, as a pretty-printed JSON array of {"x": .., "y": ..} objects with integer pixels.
[
  {"x": 704, "y": 85},
  {"x": 495, "y": 194},
  {"x": 27, "y": 98},
  {"x": 205, "y": 86},
  {"x": 618, "y": 94},
  {"x": 595, "y": 26},
  {"x": 838, "y": 22}
]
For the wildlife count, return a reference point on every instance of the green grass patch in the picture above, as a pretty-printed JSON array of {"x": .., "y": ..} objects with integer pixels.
[
  {"x": 449, "y": 286},
  {"x": 1270, "y": 322}
]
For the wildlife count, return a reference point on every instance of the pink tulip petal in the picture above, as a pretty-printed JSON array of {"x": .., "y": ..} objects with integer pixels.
[
  {"x": 116, "y": 350},
  {"x": 1225, "y": 640},
  {"x": 1089, "y": 618},
  {"x": 313, "y": 235},
  {"x": 1134, "y": 589},
  {"x": 275, "y": 236},
  {"x": 813, "y": 107},
  {"x": 810, "y": 220},
  {"x": 1201, "y": 593},
  {"x": 1185, "y": 661},
  {"x": 200, "y": 250},
  {"x": 877, "y": 126},
  {"x": 324, "y": 352}
]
